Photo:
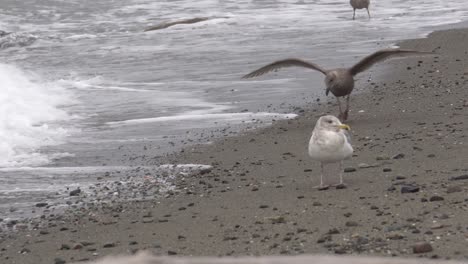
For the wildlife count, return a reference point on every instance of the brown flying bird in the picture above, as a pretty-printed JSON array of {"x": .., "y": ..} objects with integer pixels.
[
  {"x": 360, "y": 4},
  {"x": 340, "y": 81}
]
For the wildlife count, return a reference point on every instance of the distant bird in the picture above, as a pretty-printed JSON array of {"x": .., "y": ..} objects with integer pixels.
[
  {"x": 330, "y": 143},
  {"x": 340, "y": 81},
  {"x": 360, "y": 4}
]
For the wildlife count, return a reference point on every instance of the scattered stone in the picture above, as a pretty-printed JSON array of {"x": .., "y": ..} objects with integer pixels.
[
  {"x": 398, "y": 156},
  {"x": 454, "y": 189},
  {"x": 333, "y": 231},
  {"x": 387, "y": 169},
  {"x": 351, "y": 223},
  {"x": 59, "y": 261},
  {"x": 77, "y": 246},
  {"x": 64, "y": 247},
  {"x": 41, "y": 204},
  {"x": 422, "y": 247},
  {"x": 458, "y": 178},
  {"x": 87, "y": 243},
  {"x": 340, "y": 250},
  {"x": 109, "y": 245},
  {"x": 382, "y": 157},
  {"x": 171, "y": 253},
  {"x": 436, "y": 198},
  {"x": 75, "y": 192},
  {"x": 324, "y": 238},
  {"x": 25, "y": 251},
  {"x": 347, "y": 170},
  {"x": 409, "y": 189},
  {"x": 364, "y": 165},
  {"x": 278, "y": 220},
  {"x": 395, "y": 236},
  {"x": 437, "y": 226}
]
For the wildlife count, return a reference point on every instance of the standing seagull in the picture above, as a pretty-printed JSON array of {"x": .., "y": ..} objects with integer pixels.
[
  {"x": 340, "y": 81},
  {"x": 330, "y": 143},
  {"x": 360, "y": 4}
]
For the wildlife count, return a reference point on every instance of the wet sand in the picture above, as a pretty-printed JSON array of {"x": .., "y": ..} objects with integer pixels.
[{"x": 407, "y": 182}]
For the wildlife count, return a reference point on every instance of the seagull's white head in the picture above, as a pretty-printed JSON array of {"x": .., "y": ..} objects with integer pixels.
[{"x": 331, "y": 123}]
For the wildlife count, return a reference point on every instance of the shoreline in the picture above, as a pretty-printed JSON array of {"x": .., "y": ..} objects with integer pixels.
[{"x": 258, "y": 198}]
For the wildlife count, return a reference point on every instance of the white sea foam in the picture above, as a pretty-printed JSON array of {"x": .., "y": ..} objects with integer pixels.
[
  {"x": 29, "y": 110},
  {"x": 192, "y": 116}
]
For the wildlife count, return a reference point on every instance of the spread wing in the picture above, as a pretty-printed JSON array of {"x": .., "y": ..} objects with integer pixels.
[
  {"x": 381, "y": 55},
  {"x": 282, "y": 64}
]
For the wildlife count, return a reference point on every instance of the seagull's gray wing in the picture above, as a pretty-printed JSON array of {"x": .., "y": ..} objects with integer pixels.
[
  {"x": 381, "y": 55},
  {"x": 282, "y": 64}
]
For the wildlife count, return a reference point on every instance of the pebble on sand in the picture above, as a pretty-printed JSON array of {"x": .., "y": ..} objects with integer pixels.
[{"x": 422, "y": 247}]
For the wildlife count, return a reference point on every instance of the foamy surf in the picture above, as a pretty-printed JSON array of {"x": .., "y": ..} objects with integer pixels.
[
  {"x": 30, "y": 109},
  {"x": 194, "y": 117}
]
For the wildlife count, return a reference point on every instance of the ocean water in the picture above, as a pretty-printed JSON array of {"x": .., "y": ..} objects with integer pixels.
[{"x": 83, "y": 88}]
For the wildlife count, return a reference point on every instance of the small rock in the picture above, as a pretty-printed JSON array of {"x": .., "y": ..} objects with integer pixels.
[
  {"x": 395, "y": 236},
  {"x": 387, "y": 170},
  {"x": 409, "y": 189},
  {"x": 436, "y": 198},
  {"x": 77, "y": 246},
  {"x": 340, "y": 251},
  {"x": 364, "y": 165},
  {"x": 75, "y": 192},
  {"x": 109, "y": 245},
  {"x": 333, "y": 231},
  {"x": 437, "y": 226},
  {"x": 324, "y": 238},
  {"x": 351, "y": 223},
  {"x": 278, "y": 220},
  {"x": 458, "y": 178},
  {"x": 347, "y": 170},
  {"x": 382, "y": 158},
  {"x": 41, "y": 204},
  {"x": 64, "y": 247},
  {"x": 422, "y": 247},
  {"x": 171, "y": 253},
  {"x": 454, "y": 189},
  {"x": 398, "y": 156},
  {"x": 59, "y": 261}
]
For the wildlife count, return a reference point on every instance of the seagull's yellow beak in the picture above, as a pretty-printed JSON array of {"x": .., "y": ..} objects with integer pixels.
[{"x": 344, "y": 126}]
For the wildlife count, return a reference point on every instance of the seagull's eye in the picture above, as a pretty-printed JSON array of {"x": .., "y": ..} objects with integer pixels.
[{"x": 329, "y": 121}]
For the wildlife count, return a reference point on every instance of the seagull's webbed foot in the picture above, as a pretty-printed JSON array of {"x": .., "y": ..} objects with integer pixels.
[
  {"x": 322, "y": 187},
  {"x": 340, "y": 186}
]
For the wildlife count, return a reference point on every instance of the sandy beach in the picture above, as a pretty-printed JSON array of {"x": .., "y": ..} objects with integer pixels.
[{"x": 406, "y": 183}]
